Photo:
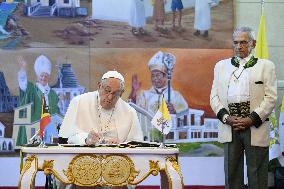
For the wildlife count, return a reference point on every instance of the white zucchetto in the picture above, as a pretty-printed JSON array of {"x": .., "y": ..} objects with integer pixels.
[{"x": 113, "y": 74}]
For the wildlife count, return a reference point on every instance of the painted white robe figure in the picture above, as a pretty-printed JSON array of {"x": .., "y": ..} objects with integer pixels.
[
  {"x": 137, "y": 17},
  {"x": 149, "y": 100},
  {"x": 202, "y": 16}
]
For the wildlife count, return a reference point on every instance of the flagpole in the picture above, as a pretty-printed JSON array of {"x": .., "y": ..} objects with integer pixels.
[
  {"x": 162, "y": 121},
  {"x": 162, "y": 145},
  {"x": 43, "y": 105},
  {"x": 261, "y": 49}
]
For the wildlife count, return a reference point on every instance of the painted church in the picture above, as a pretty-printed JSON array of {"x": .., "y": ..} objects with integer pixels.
[{"x": 6, "y": 144}]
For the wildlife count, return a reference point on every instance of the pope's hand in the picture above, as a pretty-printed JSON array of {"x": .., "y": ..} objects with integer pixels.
[
  {"x": 112, "y": 141},
  {"x": 93, "y": 138}
]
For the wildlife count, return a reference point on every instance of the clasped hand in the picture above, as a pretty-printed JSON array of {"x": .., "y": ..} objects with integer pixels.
[
  {"x": 239, "y": 123},
  {"x": 98, "y": 138}
]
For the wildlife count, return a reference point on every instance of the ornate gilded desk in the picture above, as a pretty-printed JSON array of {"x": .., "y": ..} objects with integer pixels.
[{"x": 103, "y": 166}]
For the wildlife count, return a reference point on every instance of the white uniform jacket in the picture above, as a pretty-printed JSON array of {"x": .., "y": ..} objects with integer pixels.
[{"x": 263, "y": 96}]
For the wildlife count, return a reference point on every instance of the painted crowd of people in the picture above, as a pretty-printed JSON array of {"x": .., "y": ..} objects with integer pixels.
[{"x": 202, "y": 16}]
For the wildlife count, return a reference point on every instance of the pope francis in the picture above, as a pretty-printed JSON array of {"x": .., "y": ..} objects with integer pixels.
[{"x": 101, "y": 116}]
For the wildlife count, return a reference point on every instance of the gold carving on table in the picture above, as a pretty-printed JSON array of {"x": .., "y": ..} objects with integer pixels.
[
  {"x": 117, "y": 169},
  {"x": 176, "y": 167},
  {"x": 28, "y": 163},
  {"x": 175, "y": 164},
  {"x": 92, "y": 170},
  {"x": 87, "y": 170},
  {"x": 84, "y": 170},
  {"x": 47, "y": 166},
  {"x": 154, "y": 170},
  {"x": 133, "y": 174},
  {"x": 154, "y": 167},
  {"x": 102, "y": 170}
]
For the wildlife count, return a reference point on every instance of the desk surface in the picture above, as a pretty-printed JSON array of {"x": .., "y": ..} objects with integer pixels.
[{"x": 98, "y": 150}]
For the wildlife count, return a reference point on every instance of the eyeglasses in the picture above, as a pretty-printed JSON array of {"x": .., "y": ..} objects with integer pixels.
[
  {"x": 107, "y": 91},
  {"x": 241, "y": 43}
]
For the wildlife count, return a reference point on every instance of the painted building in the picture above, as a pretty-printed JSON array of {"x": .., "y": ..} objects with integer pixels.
[
  {"x": 7, "y": 102},
  {"x": 59, "y": 3},
  {"x": 67, "y": 86},
  {"x": 187, "y": 126},
  {"x": 22, "y": 117},
  {"x": 191, "y": 126},
  {"x": 6, "y": 144},
  {"x": 46, "y": 8}
]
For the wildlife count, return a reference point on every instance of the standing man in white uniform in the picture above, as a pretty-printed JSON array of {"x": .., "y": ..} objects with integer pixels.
[{"x": 243, "y": 95}]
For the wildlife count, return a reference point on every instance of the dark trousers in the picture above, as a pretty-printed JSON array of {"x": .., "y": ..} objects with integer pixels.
[{"x": 256, "y": 159}]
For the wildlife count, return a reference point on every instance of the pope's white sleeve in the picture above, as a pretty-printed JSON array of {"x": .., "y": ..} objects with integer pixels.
[
  {"x": 78, "y": 138},
  {"x": 22, "y": 80},
  {"x": 69, "y": 128},
  {"x": 135, "y": 133}
]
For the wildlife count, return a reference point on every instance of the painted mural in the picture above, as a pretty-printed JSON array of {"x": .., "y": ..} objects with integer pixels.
[
  {"x": 116, "y": 24},
  {"x": 27, "y": 82},
  {"x": 195, "y": 126},
  {"x": 79, "y": 40}
]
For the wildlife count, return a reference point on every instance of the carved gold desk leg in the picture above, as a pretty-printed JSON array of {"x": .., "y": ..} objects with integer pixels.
[
  {"x": 28, "y": 173},
  {"x": 171, "y": 177}
]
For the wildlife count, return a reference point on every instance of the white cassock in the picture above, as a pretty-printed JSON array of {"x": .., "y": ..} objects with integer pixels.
[
  {"x": 84, "y": 114},
  {"x": 137, "y": 14},
  {"x": 202, "y": 15},
  {"x": 150, "y": 99}
]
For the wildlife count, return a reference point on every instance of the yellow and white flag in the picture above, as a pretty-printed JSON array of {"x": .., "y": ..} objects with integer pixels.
[
  {"x": 162, "y": 119},
  {"x": 261, "y": 49}
]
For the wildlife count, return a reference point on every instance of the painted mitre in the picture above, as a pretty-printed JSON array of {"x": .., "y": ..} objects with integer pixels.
[
  {"x": 162, "y": 61},
  {"x": 113, "y": 74},
  {"x": 42, "y": 64}
]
